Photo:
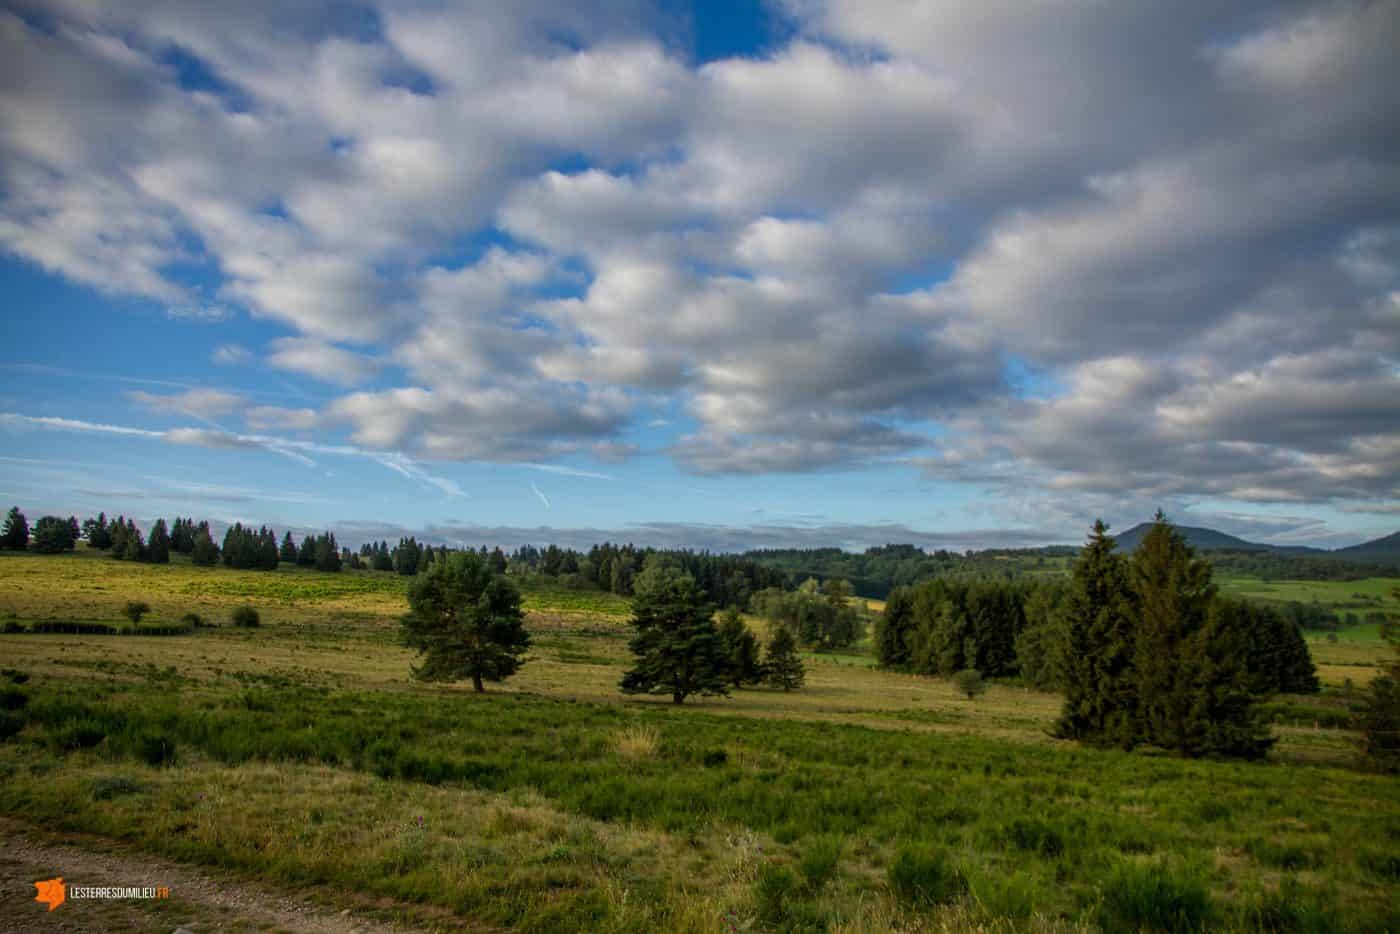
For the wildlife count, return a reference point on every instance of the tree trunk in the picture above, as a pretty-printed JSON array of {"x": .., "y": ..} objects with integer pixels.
[
  {"x": 476, "y": 682},
  {"x": 677, "y": 697}
]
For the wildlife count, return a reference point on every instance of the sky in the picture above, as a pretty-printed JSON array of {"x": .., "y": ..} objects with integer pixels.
[{"x": 724, "y": 275}]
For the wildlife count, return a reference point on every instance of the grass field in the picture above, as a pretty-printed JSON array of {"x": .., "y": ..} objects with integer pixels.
[{"x": 300, "y": 756}]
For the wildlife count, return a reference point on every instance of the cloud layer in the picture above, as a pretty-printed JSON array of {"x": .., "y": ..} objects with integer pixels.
[{"x": 1066, "y": 252}]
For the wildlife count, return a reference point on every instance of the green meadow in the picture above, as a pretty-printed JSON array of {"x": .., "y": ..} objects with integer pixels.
[{"x": 301, "y": 755}]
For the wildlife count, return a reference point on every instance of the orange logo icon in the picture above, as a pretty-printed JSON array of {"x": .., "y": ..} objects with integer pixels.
[{"x": 52, "y": 892}]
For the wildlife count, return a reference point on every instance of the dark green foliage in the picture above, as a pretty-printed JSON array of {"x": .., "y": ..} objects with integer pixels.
[
  {"x": 135, "y": 609},
  {"x": 53, "y": 535},
  {"x": 1100, "y": 692},
  {"x": 783, "y": 666},
  {"x": 1192, "y": 656},
  {"x": 821, "y": 618},
  {"x": 740, "y": 649},
  {"x": 893, "y": 627},
  {"x": 97, "y": 533},
  {"x": 1042, "y": 648},
  {"x": 1155, "y": 898},
  {"x": 246, "y": 617},
  {"x": 1380, "y": 716},
  {"x": 132, "y": 545},
  {"x": 465, "y": 621},
  {"x": 193, "y": 620},
  {"x": 1034, "y": 836},
  {"x": 922, "y": 877},
  {"x": 1290, "y": 909},
  {"x": 10, "y": 725},
  {"x": 249, "y": 548},
  {"x": 72, "y": 627},
  {"x": 327, "y": 553},
  {"x": 287, "y": 553},
  {"x": 158, "y": 547},
  {"x": 203, "y": 551},
  {"x": 12, "y": 698},
  {"x": 182, "y": 532},
  {"x": 14, "y": 534},
  {"x": 407, "y": 557},
  {"x": 1277, "y": 657},
  {"x": 678, "y": 648},
  {"x": 969, "y": 682},
  {"x": 306, "y": 555},
  {"x": 958, "y": 624}
]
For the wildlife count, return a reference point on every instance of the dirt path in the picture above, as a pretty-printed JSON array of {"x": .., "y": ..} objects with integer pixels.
[{"x": 199, "y": 901}]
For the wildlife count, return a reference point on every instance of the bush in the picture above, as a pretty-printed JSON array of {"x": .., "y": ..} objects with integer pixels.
[
  {"x": 78, "y": 734},
  {"x": 774, "y": 889},
  {"x": 193, "y": 620},
  {"x": 136, "y": 609},
  {"x": 154, "y": 748},
  {"x": 10, "y": 725},
  {"x": 820, "y": 859},
  {"x": 114, "y": 786},
  {"x": 12, "y": 625},
  {"x": 921, "y": 876},
  {"x": 1289, "y": 908},
  {"x": 246, "y": 617},
  {"x": 969, "y": 682},
  {"x": 72, "y": 627},
  {"x": 12, "y": 698},
  {"x": 1154, "y": 898},
  {"x": 15, "y": 675}
]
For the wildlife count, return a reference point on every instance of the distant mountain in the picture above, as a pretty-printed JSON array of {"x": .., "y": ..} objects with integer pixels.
[{"x": 1380, "y": 551}]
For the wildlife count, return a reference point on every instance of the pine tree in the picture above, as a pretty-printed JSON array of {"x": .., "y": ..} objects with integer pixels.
[
  {"x": 203, "y": 551},
  {"x": 893, "y": 629},
  {"x": 1099, "y": 680},
  {"x": 678, "y": 648},
  {"x": 134, "y": 547},
  {"x": 327, "y": 553},
  {"x": 289, "y": 549},
  {"x": 158, "y": 547},
  {"x": 15, "y": 533},
  {"x": 1223, "y": 718},
  {"x": 117, "y": 536},
  {"x": 1380, "y": 716},
  {"x": 52, "y": 535},
  {"x": 466, "y": 622},
  {"x": 306, "y": 556},
  {"x": 783, "y": 666},
  {"x": 740, "y": 649},
  {"x": 97, "y": 533}
]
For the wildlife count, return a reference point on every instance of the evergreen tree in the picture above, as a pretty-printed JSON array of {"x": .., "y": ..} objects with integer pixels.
[
  {"x": 893, "y": 629},
  {"x": 289, "y": 549},
  {"x": 267, "y": 549},
  {"x": 1174, "y": 592},
  {"x": 383, "y": 561},
  {"x": 406, "y": 557},
  {"x": 97, "y": 534},
  {"x": 158, "y": 547},
  {"x": 327, "y": 553},
  {"x": 466, "y": 621},
  {"x": 1223, "y": 718},
  {"x": 52, "y": 535},
  {"x": 117, "y": 535},
  {"x": 1100, "y": 686},
  {"x": 203, "y": 551},
  {"x": 306, "y": 556},
  {"x": 15, "y": 533},
  {"x": 678, "y": 648},
  {"x": 740, "y": 649},
  {"x": 1380, "y": 716},
  {"x": 1042, "y": 647},
  {"x": 133, "y": 547},
  {"x": 783, "y": 666},
  {"x": 182, "y": 535}
]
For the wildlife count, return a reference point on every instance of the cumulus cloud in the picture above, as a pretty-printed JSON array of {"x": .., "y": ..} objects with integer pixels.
[{"x": 839, "y": 253}]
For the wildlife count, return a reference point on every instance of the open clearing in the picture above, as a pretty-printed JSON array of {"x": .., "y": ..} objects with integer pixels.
[{"x": 303, "y": 762}]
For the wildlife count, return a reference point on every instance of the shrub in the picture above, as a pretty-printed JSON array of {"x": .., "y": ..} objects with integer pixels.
[
  {"x": 820, "y": 859},
  {"x": 78, "y": 734},
  {"x": 136, "y": 609},
  {"x": 921, "y": 876},
  {"x": 1289, "y": 908},
  {"x": 774, "y": 890},
  {"x": 247, "y": 617},
  {"x": 713, "y": 758},
  {"x": 12, "y": 698},
  {"x": 15, "y": 675},
  {"x": 12, "y": 625},
  {"x": 969, "y": 682},
  {"x": 192, "y": 620},
  {"x": 114, "y": 786},
  {"x": 1154, "y": 898},
  {"x": 10, "y": 725}
]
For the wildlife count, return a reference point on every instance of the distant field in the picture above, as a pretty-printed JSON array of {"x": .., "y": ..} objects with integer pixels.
[
  {"x": 1360, "y": 596},
  {"x": 305, "y": 758}
]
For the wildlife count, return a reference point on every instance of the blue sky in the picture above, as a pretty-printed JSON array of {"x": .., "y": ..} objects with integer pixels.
[{"x": 723, "y": 274}]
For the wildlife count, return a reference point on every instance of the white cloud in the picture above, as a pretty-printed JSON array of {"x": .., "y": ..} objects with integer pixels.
[{"x": 325, "y": 362}]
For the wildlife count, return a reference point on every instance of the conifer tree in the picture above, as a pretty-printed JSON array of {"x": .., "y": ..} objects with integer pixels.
[
  {"x": 158, "y": 547},
  {"x": 783, "y": 666},
  {"x": 678, "y": 648},
  {"x": 203, "y": 551},
  {"x": 288, "y": 552},
  {"x": 466, "y": 621},
  {"x": 1380, "y": 715},
  {"x": 306, "y": 555},
  {"x": 52, "y": 535},
  {"x": 97, "y": 533},
  {"x": 134, "y": 547},
  {"x": 893, "y": 627},
  {"x": 1099, "y": 678},
  {"x": 15, "y": 533},
  {"x": 117, "y": 536},
  {"x": 1173, "y": 591},
  {"x": 327, "y": 553},
  {"x": 740, "y": 648}
]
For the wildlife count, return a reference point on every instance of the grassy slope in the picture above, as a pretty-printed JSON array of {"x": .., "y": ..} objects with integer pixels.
[{"x": 306, "y": 756}]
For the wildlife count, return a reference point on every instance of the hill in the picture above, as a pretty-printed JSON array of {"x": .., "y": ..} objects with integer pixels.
[
  {"x": 1198, "y": 538},
  {"x": 1384, "y": 550}
]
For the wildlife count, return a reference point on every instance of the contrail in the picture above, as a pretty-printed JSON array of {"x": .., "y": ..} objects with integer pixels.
[{"x": 544, "y": 499}]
